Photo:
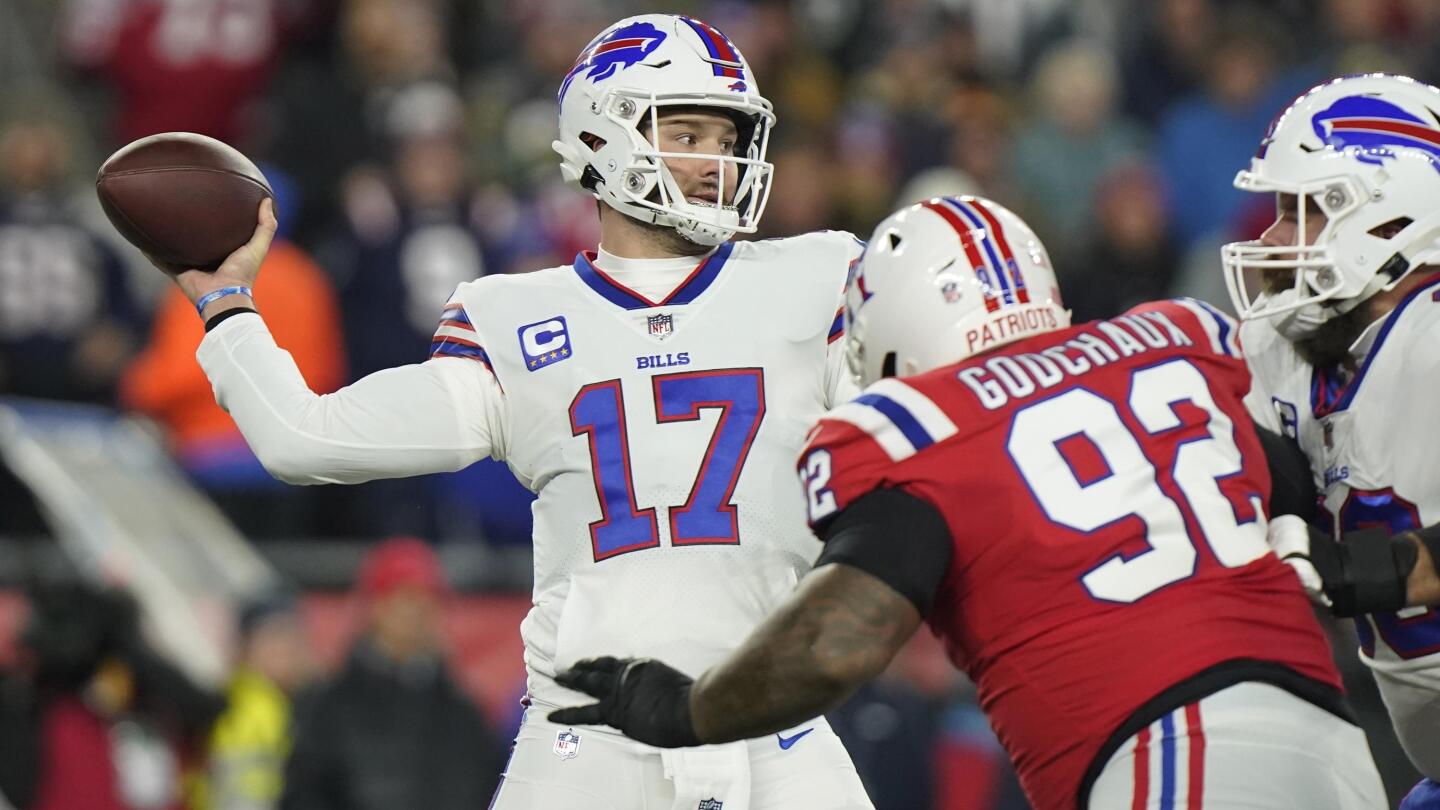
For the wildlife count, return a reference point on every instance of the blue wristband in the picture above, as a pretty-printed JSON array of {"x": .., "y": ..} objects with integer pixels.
[{"x": 218, "y": 294}]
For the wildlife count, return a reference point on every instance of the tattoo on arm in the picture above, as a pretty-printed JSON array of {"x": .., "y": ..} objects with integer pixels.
[
  {"x": 841, "y": 628},
  {"x": 1422, "y": 586}
]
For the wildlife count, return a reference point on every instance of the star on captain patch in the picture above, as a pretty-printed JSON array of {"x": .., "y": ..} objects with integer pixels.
[{"x": 661, "y": 326}]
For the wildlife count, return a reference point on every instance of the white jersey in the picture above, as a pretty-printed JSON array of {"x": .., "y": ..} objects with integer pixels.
[
  {"x": 661, "y": 438},
  {"x": 1375, "y": 458}
]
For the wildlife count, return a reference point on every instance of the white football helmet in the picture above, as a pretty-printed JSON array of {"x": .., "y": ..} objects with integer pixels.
[
  {"x": 945, "y": 279},
  {"x": 1366, "y": 150},
  {"x": 621, "y": 82}
]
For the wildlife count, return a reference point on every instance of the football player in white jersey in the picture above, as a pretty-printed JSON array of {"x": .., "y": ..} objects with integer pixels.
[
  {"x": 1341, "y": 305},
  {"x": 653, "y": 393}
]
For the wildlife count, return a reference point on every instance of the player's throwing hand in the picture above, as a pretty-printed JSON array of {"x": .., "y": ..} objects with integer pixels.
[
  {"x": 641, "y": 697},
  {"x": 239, "y": 269}
]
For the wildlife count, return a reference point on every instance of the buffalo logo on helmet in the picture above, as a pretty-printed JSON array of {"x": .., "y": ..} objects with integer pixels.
[
  {"x": 1374, "y": 128},
  {"x": 615, "y": 51}
]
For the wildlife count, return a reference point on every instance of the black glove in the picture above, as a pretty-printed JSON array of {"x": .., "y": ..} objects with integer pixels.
[
  {"x": 1364, "y": 573},
  {"x": 642, "y": 697}
]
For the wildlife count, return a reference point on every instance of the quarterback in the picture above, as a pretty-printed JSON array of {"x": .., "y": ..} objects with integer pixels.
[
  {"x": 654, "y": 393},
  {"x": 1077, "y": 511}
]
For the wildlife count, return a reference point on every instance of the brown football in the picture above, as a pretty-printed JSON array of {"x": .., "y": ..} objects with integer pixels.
[{"x": 185, "y": 200}]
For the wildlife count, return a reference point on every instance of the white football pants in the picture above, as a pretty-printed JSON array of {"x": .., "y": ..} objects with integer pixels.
[
  {"x": 605, "y": 771},
  {"x": 1251, "y": 746}
]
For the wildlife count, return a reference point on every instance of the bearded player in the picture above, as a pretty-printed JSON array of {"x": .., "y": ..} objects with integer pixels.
[{"x": 1341, "y": 305}]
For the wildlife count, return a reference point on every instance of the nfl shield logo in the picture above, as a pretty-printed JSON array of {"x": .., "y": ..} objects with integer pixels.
[
  {"x": 710, "y": 804},
  {"x": 661, "y": 325},
  {"x": 567, "y": 745}
]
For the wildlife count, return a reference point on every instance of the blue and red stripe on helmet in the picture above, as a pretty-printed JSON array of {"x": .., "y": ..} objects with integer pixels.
[
  {"x": 724, "y": 58},
  {"x": 967, "y": 241}
]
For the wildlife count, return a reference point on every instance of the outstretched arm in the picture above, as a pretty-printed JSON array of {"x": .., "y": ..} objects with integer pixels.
[
  {"x": 437, "y": 416},
  {"x": 840, "y": 629},
  {"x": 884, "y": 559}
]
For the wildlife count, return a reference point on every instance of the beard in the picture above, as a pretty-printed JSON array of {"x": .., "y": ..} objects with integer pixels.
[
  {"x": 669, "y": 239},
  {"x": 1329, "y": 346}
]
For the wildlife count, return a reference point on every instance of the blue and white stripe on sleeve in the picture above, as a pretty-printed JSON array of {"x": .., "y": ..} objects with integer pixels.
[
  {"x": 1219, "y": 327},
  {"x": 900, "y": 419}
]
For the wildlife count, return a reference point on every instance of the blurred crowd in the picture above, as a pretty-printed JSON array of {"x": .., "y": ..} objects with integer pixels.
[
  {"x": 408, "y": 145},
  {"x": 92, "y": 717}
]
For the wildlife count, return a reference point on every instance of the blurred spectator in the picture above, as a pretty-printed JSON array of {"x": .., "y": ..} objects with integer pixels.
[
  {"x": 166, "y": 382},
  {"x": 331, "y": 115},
  {"x": 1167, "y": 57},
  {"x": 1362, "y": 34},
  {"x": 1204, "y": 139},
  {"x": 803, "y": 196},
  {"x": 67, "y": 316},
  {"x": 1074, "y": 140},
  {"x": 982, "y": 126},
  {"x": 101, "y": 718},
  {"x": 407, "y": 242},
  {"x": 889, "y": 729},
  {"x": 180, "y": 65},
  {"x": 393, "y": 729},
  {"x": 1131, "y": 257},
  {"x": 250, "y": 742}
]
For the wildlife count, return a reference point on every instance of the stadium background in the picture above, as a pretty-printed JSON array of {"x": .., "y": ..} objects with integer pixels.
[{"x": 408, "y": 142}]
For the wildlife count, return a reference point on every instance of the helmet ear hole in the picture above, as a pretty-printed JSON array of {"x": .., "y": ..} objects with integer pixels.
[
  {"x": 894, "y": 238},
  {"x": 593, "y": 141},
  {"x": 887, "y": 366},
  {"x": 1388, "y": 230}
]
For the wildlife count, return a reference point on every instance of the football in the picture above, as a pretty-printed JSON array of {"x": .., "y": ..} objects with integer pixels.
[{"x": 185, "y": 200}]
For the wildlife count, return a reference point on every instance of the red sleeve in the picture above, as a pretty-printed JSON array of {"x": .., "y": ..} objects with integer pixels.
[
  {"x": 839, "y": 464},
  {"x": 1204, "y": 324}
]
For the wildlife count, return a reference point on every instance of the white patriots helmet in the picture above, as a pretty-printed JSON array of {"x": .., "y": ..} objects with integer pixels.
[
  {"x": 1365, "y": 150},
  {"x": 943, "y": 280},
  {"x": 621, "y": 83}
]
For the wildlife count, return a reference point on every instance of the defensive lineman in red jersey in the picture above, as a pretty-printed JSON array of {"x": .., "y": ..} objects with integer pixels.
[
  {"x": 1076, "y": 598},
  {"x": 1079, "y": 512}
]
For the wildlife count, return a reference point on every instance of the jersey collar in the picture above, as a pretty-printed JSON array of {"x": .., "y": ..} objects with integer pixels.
[{"x": 618, "y": 294}]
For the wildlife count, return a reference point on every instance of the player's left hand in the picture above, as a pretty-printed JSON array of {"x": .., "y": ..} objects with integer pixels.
[{"x": 646, "y": 699}]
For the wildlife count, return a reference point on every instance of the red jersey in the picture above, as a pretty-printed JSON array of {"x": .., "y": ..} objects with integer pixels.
[
  {"x": 198, "y": 66},
  {"x": 1103, "y": 487}
]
